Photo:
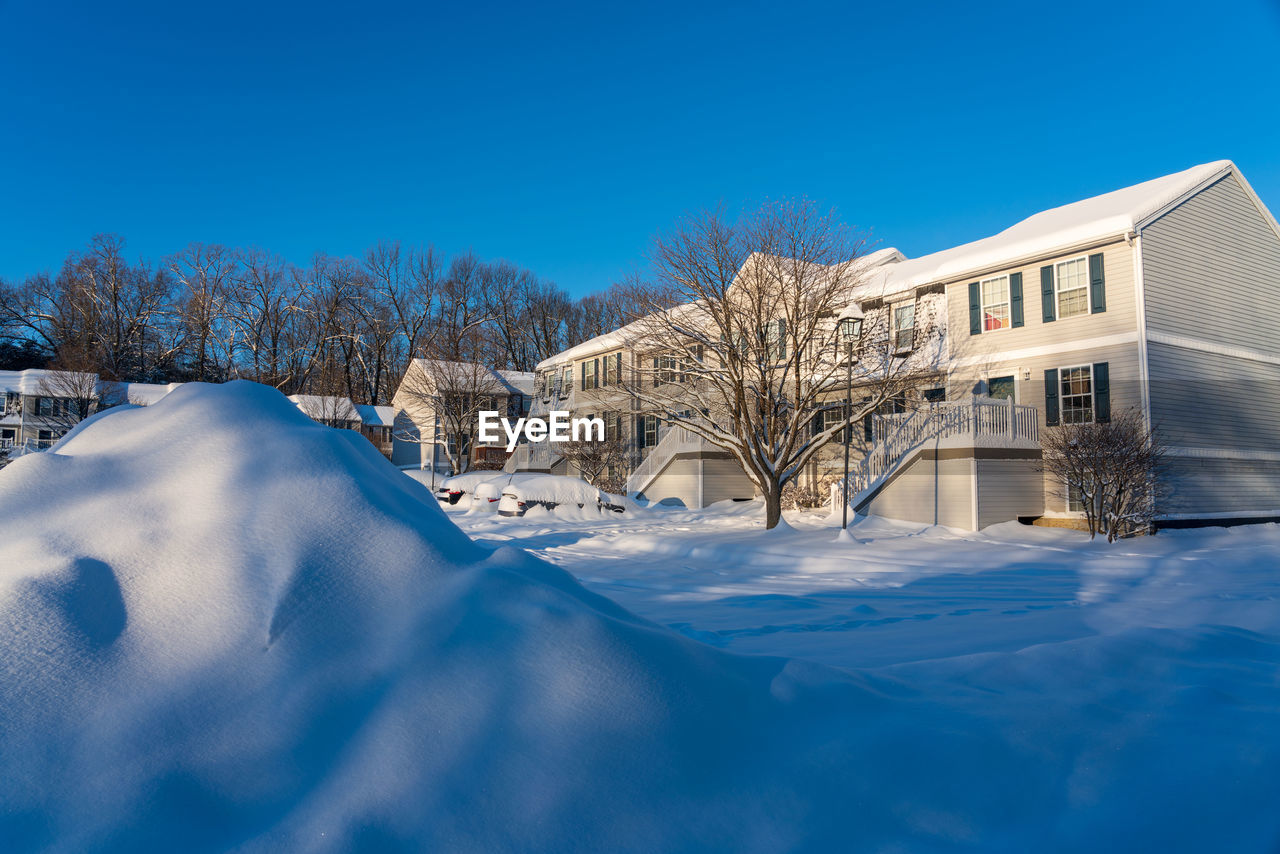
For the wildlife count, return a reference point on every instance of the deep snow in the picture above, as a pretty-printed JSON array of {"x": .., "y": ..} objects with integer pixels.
[{"x": 224, "y": 626}]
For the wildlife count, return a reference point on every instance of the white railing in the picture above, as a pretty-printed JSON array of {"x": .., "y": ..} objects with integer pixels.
[
  {"x": 672, "y": 440},
  {"x": 975, "y": 422}
]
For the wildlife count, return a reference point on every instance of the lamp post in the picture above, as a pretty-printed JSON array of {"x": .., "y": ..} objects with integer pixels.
[{"x": 850, "y": 330}]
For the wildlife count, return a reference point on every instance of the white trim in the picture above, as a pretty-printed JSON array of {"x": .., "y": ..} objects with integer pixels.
[
  {"x": 1180, "y": 200},
  {"x": 1226, "y": 514},
  {"x": 1057, "y": 291},
  {"x": 1224, "y": 454},
  {"x": 1210, "y": 347},
  {"x": 1047, "y": 349},
  {"x": 1140, "y": 304},
  {"x": 1062, "y": 396},
  {"x": 1008, "y": 303},
  {"x": 973, "y": 491}
]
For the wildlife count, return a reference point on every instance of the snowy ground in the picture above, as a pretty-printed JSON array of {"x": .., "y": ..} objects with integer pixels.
[
  {"x": 225, "y": 627},
  {"x": 901, "y": 593}
]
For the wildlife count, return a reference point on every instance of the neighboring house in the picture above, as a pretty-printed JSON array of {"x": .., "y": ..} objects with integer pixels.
[
  {"x": 437, "y": 410},
  {"x": 1163, "y": 298},
  {"x": 377, "y": 424},
  {"x": 40, "y": 405},
  {"x": 329, "y": 410}
]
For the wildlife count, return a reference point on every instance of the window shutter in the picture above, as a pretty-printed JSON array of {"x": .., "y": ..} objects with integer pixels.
[
  {"x": 617, "y": 375},
  {"x": 1097, "y": 286},
  {"x": 656, "y": 381},
  {"x": 868, "y": 427},
  {"x": 1015, "y": 299},
  {"x": 597, "y": 372},
  {"x": 1046, "y": 293},
  {"x": 975, "y": 310},
  {"x": 1051, "y": 397},
  {"x": 782, "y": 338},
  {"x": 1101, "y": 393}
]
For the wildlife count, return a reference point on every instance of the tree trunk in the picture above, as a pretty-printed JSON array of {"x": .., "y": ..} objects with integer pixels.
[{"x": 772, "y": 504}]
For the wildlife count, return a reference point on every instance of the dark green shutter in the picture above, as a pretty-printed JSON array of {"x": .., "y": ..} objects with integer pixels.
[
  {"x": 1097, "y": 285},
  {"x": 1101, "y": 393},
  {"x": 975, "y": 310},
  {"x": 597, "y": 367},
  {"x": 1015, "y": 299},
  {"x": 1051, "y": 397},
  {"x": 655, "y": 371},
  {"x": 617, "y": 377},
  {"x": 1046, "y": 293},
  {"x": 782, "y": 338}
]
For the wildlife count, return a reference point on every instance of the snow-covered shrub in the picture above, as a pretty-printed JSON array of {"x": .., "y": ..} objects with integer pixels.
[{"x": 1109, "y": 471}]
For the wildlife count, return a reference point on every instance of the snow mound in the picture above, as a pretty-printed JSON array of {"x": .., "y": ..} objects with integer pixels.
[{"x": 225, "y": 626}]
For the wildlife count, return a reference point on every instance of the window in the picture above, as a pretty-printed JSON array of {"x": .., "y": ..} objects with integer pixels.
[
  {"x": 566, "y": 384},
  {"x": 648, "y": 431},
  {"x": 935, "y": 395},
  {"x": 612, "y": 425},
  {"x": 1000, "y": 388},
  {"x": 830, "y": 417},
  {"x": 995, "y": 303},
  {"x": 904, "y": 326},
  {"x": 666, "y": 370},
  {"x": 774, "y": 334},
  {"x": 1071, "y": 281},
  {"x": 589, "y": 374},
  {"x": 12, "y": 403},
  {"x": 606, "y": 371},
  {"x": 1077, "y": 395}
]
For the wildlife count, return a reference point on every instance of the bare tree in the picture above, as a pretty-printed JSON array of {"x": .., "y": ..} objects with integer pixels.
[
  {"x": 64, "y": 399},
  {"x": 752, "y": 350},
  {"x": 1109, "y": 470},
  {"x": 603, "y": 463},
  {"x": 206, "y": 274}
]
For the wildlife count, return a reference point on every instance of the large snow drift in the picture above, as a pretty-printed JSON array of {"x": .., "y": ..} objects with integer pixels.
[{"x": 224, "y": 626}]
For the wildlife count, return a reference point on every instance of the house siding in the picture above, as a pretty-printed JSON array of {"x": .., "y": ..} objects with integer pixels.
[
  {"x": 1119, "y": 318},
  {"x": 928, "y": 491},
  {"x": 1211, "y": 271},
  {"x": 1211, "y": 275},
  {"x": 1008, "y": 489}
]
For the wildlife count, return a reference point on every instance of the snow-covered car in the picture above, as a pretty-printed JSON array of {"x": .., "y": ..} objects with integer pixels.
[
  {"x": 550, "y": 491},
  {"x": 454, "y": 488},
  {"x": 487, "y": 495}
]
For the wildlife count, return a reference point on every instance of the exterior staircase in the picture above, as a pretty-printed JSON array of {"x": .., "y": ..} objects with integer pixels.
[
  {"x": 976, "y": 422},
  {"x": 672, "y": 440}
]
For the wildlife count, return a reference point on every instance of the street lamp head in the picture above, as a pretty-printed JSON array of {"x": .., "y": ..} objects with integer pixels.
[{"x": 850, "y": 329}]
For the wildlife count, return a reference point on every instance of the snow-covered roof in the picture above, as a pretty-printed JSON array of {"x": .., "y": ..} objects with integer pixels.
[
  {"x": 144, "y": 394},
  {"x": 326, "y": 406},
  {"x": 473, "y": 374},
  {"x": 377, "y": 416},
  {"x": 518, "y": 381},
  {"x": 36, "y": 381},
  {"x": 1116, "y": 213}
]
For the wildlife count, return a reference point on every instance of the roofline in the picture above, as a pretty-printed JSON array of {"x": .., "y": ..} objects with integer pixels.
[{"x": 1229, "y": 169}]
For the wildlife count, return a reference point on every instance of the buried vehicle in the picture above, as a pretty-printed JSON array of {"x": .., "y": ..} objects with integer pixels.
[
  {"x": 453, "y": 488},
  {"x": 551, "y": 491}
]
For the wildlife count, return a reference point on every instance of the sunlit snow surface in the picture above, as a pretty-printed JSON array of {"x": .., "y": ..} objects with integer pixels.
[{"x": 223, "y": 627}]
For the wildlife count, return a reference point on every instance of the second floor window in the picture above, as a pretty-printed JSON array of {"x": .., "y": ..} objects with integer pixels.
[
  {"x": 904, "y": 326},
  {"x": 995, "y": 303},
  {"x": 589, "y": 374},
  {"x": 1072, "y": 287},
  {"x": 566, "y": 384}
]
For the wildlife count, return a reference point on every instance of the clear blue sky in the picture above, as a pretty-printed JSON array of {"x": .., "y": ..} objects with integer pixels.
[{"x": 563, "y": 137}]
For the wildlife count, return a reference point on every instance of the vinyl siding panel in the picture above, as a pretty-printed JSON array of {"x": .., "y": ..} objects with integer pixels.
[
  {"x": 1008, "y": 489},
  {"x": 1208, "y": 400},
  {"x": 1201, "y": 486},
  {"x": 1211, "y": 271},
  {"x": 1119, "y": 318},
  {"x": 723, "y": 480},
  {"x": 1126, "y": 391},
  {"x": 931, "y": 492}
]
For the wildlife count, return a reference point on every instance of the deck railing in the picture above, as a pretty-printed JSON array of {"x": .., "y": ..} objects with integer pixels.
[{"x": 976, "y": 422}]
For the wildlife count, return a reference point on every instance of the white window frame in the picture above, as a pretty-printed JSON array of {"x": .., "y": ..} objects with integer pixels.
[
  {"x": 590, "y": 380},
  {"x": 893, "y": 325},
  {"x": 1014, "y": 374},
  {"x": 1057, "y": 288},
  {"x": 1008, "y": 303},
  {"x": 1062, "y": 395}
]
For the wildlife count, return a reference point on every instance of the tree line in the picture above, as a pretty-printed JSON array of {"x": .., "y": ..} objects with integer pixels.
[{"x": 335, "y": 326}]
